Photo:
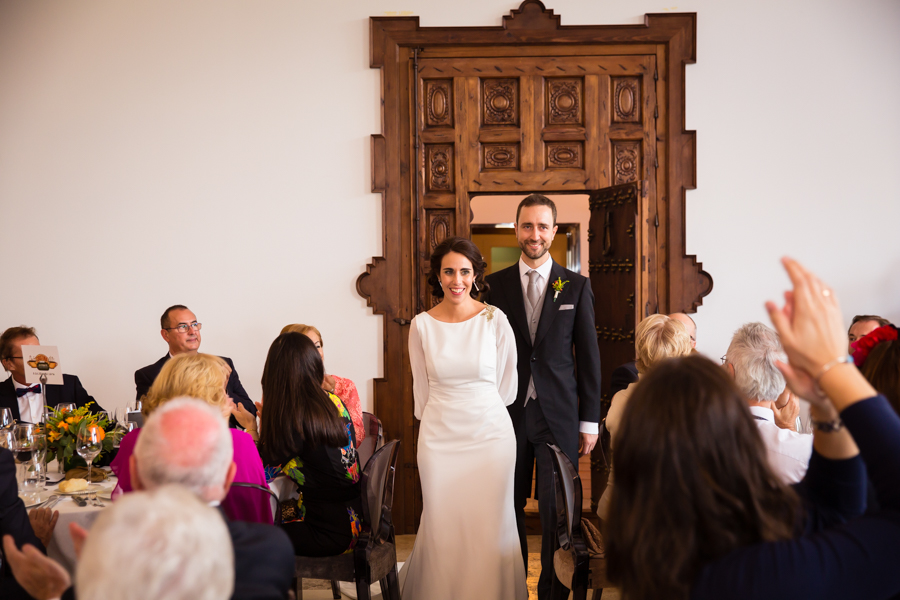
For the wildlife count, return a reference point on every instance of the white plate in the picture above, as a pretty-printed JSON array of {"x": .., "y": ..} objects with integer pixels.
[{"x": 33, "y": 500}]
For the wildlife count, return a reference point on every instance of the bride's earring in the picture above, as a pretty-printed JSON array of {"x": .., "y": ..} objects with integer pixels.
[{"x": 475, "y": 285}]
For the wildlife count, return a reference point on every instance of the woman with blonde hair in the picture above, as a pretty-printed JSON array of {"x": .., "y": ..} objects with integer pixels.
[
  {"x": 656, "y": 338},
  {"x": 204, "y": 377},
  {"x": 341, "y": 387}
]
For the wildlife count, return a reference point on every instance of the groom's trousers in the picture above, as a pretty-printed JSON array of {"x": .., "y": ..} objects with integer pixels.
[{"x": 532, "y": 438}]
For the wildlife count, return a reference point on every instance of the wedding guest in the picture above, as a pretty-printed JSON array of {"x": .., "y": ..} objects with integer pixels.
[
  {"x": 307, "y": 434},
  {"x": 623, "y": 375},
  {"x": 751, "y": 361},
  {"x": 181, "y": 331},
  {"x": 698, "y": 511},
  {"x": 27, "y": 401},
  {"x": 204, "y": 376},
  {"x": 165, "y": 543},
  {"x": 186, "y": 442},
  {"x": 341, "y": 387},
  {"x": 862, "y": 325},
  {"x": 877, "y": 354},
  {"x": 656, "y": 338}
]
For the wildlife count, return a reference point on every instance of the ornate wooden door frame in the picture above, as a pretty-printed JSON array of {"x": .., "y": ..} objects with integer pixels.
[{"x": 391, "y": 283}]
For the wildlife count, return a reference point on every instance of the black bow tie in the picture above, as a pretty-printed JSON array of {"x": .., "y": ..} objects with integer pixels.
[{"x": 36, "y": 388}]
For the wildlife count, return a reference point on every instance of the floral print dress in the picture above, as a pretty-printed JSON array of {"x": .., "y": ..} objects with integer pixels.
[{"x": 326, "y": 518}]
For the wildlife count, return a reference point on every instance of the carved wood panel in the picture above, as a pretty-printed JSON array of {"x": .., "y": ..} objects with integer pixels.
[
  {"x": 530, "y": 105},
  {"x": 564, "y": 101},
  {"x": 626, "y": 99},
  {"x": 626, "y": 162},
  {"x": 500, "y": 101},
  {"x": 565, "y": 155},
  {"x": 500, "y": 156},
  {"x": 439, "y": 103},
  {"x": 439, "y": 169}
]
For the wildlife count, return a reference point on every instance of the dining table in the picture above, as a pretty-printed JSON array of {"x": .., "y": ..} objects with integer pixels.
[{"x": 71, "y": 510}]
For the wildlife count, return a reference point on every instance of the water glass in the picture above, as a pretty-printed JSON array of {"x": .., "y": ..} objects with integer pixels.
[
  {"x": 7, "y": 439},
  {"x": 22, "y": 446},
  {"x": 88, "y": 445},
  {"x": 39, "y": 452}
]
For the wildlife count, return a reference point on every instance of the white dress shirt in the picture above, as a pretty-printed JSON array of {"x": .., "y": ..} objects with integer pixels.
[
  {"x": 31, "y": 405},
  {"x": 543, "y": 283},
  {"x": 788, "y": 451}
]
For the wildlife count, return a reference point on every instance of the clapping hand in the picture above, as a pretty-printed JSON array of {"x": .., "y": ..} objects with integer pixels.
[
  {"x": 244, "y": 417},
  {"x": 42, "y": 577},
  {"x": 43, "y": 521}
]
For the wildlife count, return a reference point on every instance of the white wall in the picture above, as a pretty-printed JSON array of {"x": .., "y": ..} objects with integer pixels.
[{"x": 217, "y": 154}]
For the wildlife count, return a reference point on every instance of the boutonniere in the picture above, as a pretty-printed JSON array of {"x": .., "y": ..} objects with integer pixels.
[{"x": 558, "y": 285}]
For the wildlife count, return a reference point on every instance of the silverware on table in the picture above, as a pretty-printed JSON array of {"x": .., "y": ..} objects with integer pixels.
[
  {"x": 47, "y": 503},
  {"x": 95, "y": 500},
  {"x": 79, "y": 500}
]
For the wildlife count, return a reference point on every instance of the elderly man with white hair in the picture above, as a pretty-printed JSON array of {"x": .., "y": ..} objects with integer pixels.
[
  {"x": 185, "y": 442},
  {"x": 164, "y": 543},
  {"x": 750, "y": 360}
]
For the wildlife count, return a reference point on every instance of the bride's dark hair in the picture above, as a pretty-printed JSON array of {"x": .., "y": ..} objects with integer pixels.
[
  {"x": 692, "y": 481},
  {"x": 468, "y": 249}
]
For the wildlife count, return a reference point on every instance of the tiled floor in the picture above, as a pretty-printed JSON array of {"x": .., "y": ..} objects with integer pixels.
[{"x": 321, "y": 590}]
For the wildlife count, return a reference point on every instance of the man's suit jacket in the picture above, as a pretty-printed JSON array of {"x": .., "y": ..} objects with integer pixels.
[
  {"x": 564, "y": 359},
  {"x": 144, "y": 378},
  {"x": 263, "y": 561},
  {"x": 622, "y": 376},
  {"x": 71, "y": 390},
  {"x": 13, "y": 521}
]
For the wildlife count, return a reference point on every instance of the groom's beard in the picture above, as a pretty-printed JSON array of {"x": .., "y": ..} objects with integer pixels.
[{"x": 532, "y": 253}]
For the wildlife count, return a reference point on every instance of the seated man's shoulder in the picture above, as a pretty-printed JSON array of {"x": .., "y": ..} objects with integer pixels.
[{"x": 248, "y": 534}]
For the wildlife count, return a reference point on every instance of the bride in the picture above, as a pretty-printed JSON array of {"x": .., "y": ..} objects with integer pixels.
[{"x": 463, "y": 359}]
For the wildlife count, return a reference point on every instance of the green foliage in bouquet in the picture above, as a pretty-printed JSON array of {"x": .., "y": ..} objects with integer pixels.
[{"x": 63, "y": 427}]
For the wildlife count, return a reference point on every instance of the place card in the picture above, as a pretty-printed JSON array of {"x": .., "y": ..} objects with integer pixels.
[{"x": 42, "y": 361}]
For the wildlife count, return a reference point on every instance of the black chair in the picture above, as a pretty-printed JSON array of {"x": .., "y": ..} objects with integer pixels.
[
  {"x": 578, "y": 566},
  {"x": 374, "y": 558},
  {"x": 272, "y": 497},
  {"x": 374, "y": 438}
]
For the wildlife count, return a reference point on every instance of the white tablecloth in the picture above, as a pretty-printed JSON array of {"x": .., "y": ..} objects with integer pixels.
[{"x": 61, "y": 547}]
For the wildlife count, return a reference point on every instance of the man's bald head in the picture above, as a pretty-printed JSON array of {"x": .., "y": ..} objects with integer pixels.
[
  {"x": 688, "y": 324},
  {"x": 185, "y": 441}
]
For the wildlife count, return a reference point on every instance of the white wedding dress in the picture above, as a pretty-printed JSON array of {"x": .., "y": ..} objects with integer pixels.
[{"x": 464, "y": 376}]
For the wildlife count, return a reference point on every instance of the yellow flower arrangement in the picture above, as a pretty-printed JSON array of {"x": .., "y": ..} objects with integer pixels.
[{"x": 62, "y": 428}]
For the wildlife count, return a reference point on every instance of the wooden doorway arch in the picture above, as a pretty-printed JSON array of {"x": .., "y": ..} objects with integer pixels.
[{"x": 528, "y": 106}]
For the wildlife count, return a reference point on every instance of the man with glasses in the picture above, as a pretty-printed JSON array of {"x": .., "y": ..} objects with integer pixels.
[
  {"x": 27, "y": 401},
  {"x": 181, "y": 331}
]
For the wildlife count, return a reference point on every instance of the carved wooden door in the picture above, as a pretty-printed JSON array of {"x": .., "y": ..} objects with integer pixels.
[{"x": 530, "y": 106}]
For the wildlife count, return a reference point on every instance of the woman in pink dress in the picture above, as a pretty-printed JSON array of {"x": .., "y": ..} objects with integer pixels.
[
  {"x": 339, "y": 386},
  {"x": 204, "y": 376}
]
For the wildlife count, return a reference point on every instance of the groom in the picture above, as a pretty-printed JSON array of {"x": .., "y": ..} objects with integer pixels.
[{"x": 551, "y": 310}]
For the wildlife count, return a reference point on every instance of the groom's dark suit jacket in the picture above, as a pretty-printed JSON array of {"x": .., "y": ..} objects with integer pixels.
[
  {"x": 564, "y": 359},
  {"x": 144, "y": 378},
  {"x": 71, "y": 390}
]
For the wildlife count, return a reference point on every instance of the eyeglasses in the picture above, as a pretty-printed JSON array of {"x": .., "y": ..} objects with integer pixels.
[
  {"x": 724, "y": 359},
  {"x": 183, "y": 327}
]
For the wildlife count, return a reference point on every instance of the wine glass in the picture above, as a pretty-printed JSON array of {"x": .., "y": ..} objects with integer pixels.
[
  {"x": 66, "y": 407},
  {"x": 6, "y": 419},
  {"x": 7, "y": 439},
  {"x": 88, "y": 445}
]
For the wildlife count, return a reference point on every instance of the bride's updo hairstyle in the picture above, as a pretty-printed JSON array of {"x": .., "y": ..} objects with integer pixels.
[
  {"x": 469, "y": 250},
  {"x": 693, "y": 481}
]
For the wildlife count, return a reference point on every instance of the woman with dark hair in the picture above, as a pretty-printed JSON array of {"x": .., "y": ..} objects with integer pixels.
[
  {"x": 307, "y": 434},
  {"x": 698, "y": 513},
  {"x": 463, "y": 360}
]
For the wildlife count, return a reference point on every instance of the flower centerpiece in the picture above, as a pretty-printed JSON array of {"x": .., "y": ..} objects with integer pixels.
[{"x": 63, "y": 427}]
